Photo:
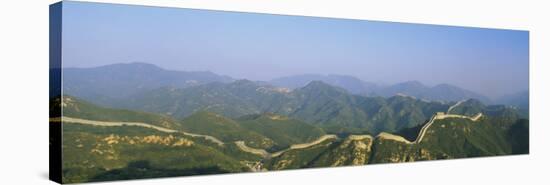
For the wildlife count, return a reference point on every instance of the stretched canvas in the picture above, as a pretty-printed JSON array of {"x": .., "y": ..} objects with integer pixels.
[{"x": 145, "y": 92}]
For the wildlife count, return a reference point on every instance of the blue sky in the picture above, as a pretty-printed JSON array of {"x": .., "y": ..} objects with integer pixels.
[{"x": 262, "y": 47}]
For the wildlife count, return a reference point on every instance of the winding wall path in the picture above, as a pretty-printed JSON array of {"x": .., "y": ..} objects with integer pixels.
[
  {"x": 425, "y": 128},
  {"x": 66, "y": 119},
  {"x": 266, "y": 154},
  {"x": 242, "y": 145},
  {"x": 440, "y": 117},
  {"x": 454, "y": 106}
]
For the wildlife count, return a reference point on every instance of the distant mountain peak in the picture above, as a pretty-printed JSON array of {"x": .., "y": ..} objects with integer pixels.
[
  {"x": 320, "y": 86},
  {"x": 132, "y": 65},
  {"x": 128, "y": 79},
  {"x": 140, "y": 64},
  {"x": 317, "y": 84},
  {"x": 444, "y": 85},
  {"x": 350, "y": 83},
  {"x": 412, "y": 83}
]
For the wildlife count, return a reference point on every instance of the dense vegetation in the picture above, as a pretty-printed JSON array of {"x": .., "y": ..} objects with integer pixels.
[
  {"x": 282, "y": 130},
  {"x": 301, "y": 158},
  {"x": 317, "y": 103},
  {"x": 225, "y": 129},
  {"x": 74, "y": 107},
  {"x": 446, "y": 139}
]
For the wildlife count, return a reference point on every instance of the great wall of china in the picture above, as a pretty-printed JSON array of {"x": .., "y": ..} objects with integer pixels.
[
  {"x": 242, "y": 145},
  {"x": 384, "y": 135},
  {"x": 66, "y": 119}
]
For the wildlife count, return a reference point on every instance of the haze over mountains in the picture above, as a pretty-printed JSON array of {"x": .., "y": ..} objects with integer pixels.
[
  {"x": 122, "y": 80},
  {"x": 520, "y": 99},
  {"x": 334, "y": 101},
  {"x": 441, "y": 92}
]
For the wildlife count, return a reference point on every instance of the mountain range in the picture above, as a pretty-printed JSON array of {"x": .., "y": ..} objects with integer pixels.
[
  {"x": 520, "y": 100},
  {"x": 441, "y": 92},
  {"x": 121, "y": 80},
  {"x": 125, "y": 79},
  {"x": 317, "y": 103}
]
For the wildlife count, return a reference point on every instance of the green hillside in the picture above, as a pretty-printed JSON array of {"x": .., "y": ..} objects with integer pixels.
[
  {"x": 298, "y": 158},
  {"x": 450, "y": 138},
  {"x": 224, "y": 128},
  {"x": 233, "y": 100},
  {"x": 353, "y": 150},
  {"x": 317, "y": 103},
  {"x": 98, "y": 153},
  {"x": 283, "y": 131},
  {"x": 464, "y": 138},
  {"x": 93, "y": 153},
  {"x": 518, "y": 136},
  {"x": 77, "y": 108},
  {"x": 201, "y": 122}
]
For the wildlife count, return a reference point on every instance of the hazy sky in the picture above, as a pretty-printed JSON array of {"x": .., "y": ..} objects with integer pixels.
[{"x": 262, "y": 47}]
